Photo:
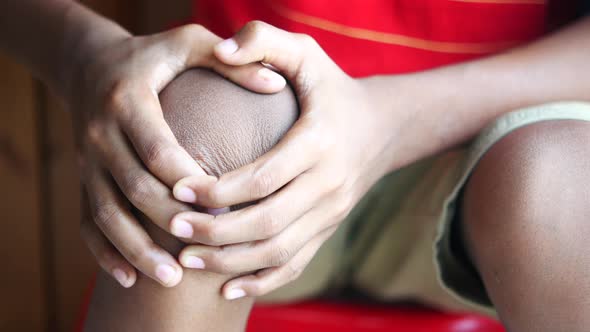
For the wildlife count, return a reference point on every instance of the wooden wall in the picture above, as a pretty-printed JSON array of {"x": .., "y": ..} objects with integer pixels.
[
  {"x": 45, "y": 266},
  {"x": 22, "y": 278}
]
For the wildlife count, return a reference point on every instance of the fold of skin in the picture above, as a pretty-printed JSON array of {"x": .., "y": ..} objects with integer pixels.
[{"x": 223, "y": 127}]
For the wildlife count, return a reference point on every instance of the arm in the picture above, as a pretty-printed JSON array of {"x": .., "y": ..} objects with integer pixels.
[
  {"x": 352, "y": 132},
  {"x": 109, "y": 80},
  {"x": 53, "y": 38},
  {"x": 450, "y": 105}
]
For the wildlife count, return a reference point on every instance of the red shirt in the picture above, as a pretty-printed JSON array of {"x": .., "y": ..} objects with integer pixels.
[{"x": 366, "y": 37}]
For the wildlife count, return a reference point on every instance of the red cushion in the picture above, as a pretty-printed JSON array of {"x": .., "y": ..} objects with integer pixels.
[
  {"x": 349, "y": 317},
  {"x": 327, "y": 316}
]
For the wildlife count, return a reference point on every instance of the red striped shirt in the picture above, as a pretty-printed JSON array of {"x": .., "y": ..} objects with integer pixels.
[{"x": 367, "y": 37}]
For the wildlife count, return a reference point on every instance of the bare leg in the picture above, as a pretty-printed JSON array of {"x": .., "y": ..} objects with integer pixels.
[
  {"x": 223, "y": 127},
  {"x": 526, "y": 223},
  {"x": 193, "y": 305}
]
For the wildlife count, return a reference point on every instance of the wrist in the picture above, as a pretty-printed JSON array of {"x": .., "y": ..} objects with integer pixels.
[
  {"x": 432, "y": 111},
  {"x": 423, "y": 113},
  {"x": 85, "y": 35},
  {"x": 398, "y": 104}
]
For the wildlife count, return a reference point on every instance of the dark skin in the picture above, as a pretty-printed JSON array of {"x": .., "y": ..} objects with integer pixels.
[
  {"x": 109, "y": 80},
  {"x": 243, "y": 127},
  {"x": 525, "y": 218},
  {"x": 347, "y": 138},
  {"x": 351, "y": 132}
]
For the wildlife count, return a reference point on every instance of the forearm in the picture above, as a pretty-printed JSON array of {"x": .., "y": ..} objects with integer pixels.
[
  {"x": 445, "y": 107},
  {"x": 53, "y": 37}
]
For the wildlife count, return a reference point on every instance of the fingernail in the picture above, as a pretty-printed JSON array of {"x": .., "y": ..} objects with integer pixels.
[
  {"x": 193, "y": 262},
  {"x": 181, "y": 228},
  {"x": 269, "y": 75},
  {"x": 121, "y": 277},
  {"x": 165, "y": 273},
  {"x": 216, "y": 212},
  {"x": 235, "y": 293},
  {"x": 185, "y": 194},
  {"x": 227, "y": 47}
]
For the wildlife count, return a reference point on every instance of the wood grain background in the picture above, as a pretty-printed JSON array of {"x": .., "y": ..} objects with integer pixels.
[{"x": 45, "y": 266}]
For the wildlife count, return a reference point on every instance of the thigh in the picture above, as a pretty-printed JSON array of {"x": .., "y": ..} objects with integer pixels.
[{"x": 525, "y": 224}]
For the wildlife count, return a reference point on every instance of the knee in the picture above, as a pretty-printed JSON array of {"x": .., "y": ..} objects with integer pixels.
[
  {"x": 222, "y": 125},
  {"x": 525, "y": 220},
  {"x": 533, "y": 183},
  {"x": 537, "y": 169}
]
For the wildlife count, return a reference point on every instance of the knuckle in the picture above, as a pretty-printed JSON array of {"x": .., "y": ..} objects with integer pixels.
[
  {"x": 292, "y": 272},
  {"x": 330, "y": 186},
  {"x": 117, "y": 97},
  {"x": 140, "y": 255},
  {"x": 158, "y": 154},
  {"x": 194, "y": 29},
  {"x": 256, "y": 289},
  {"x": 256, "y": 28},
  {"x": 306, "y": 40},
  {"x": 278, "y": 255},
  {"x": 269, "y": 223},
  {"x": 344, "y": 207},
  {"x": 289, "y": 274},
  {"x": 224, "y": 268},
  {"x": 214, "y": 197},
  {"x": 262, "y": 184},
  {"x": 343, "y": 186},
  {"x": 211, "y": 235},
  {"x": 138, "y": 190},
  {"x": 188, "y": 32},
  {"x": 334, "y": 184},
  {"x": 105, "y": 215},
  {"x": 217, "y": 260},
  {"x": 140, "y": 196}
]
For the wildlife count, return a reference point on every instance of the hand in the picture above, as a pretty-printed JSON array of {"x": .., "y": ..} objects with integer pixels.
[
  {"x": 307, "y": 184},
  {"x": 129, "y": 154}
]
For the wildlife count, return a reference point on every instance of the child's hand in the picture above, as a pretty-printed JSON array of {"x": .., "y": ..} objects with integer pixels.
[
  {"x": 128, "y": 152},
  {"x": 307, "y": 184}
]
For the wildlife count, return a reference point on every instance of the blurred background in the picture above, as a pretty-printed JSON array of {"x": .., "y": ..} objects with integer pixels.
[{"x": 45, "y": 266}]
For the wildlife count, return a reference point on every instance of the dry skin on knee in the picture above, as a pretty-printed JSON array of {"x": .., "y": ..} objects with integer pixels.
[{"x": 223, "y": 127}]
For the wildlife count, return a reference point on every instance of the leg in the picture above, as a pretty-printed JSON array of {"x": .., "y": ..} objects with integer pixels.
[
  {"x": 526, "y": 216},
  {"x": 223, "y": 127}
]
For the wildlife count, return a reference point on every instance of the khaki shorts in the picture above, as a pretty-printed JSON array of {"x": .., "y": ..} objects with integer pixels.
[{"x": 396, "y": 243}]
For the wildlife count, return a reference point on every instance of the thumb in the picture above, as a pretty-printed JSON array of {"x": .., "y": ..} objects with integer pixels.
[{"x": 261, "y": 42}]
